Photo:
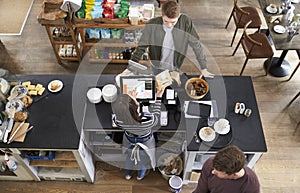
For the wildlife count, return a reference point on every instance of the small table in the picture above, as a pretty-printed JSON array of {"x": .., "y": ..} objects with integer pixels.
[{"x": 279, "y": 66}]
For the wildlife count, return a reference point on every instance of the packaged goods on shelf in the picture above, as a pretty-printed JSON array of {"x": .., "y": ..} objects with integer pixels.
[
  {"x": 39, "y": 155},
  {"x": 62, "y": 51},
  {"x": 67, "y": 51}
]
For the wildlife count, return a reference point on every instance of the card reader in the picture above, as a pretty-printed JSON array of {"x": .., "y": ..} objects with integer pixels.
[{"x": 164, "y": 118}]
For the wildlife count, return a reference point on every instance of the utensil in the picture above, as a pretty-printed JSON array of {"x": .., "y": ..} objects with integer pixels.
[
  {"x": 16, "y": 131},
  {"x": 19, "y": 135},
  {"x": 197, "y": 140},
  {"x": 11, "y": 114}
]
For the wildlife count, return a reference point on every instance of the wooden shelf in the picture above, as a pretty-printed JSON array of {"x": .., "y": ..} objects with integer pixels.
[
  {"x": 54, "y": 163},
  {"x": 70, "y": 58},
  {"x": 93, "y": 60},
  {"x": 111, "y": 45},
  {"x": 109, "y": 25},
  {"x": 63, "y": 42},
  {"x": 64, "y": 155},
  {"x": 72, "y": 40}
]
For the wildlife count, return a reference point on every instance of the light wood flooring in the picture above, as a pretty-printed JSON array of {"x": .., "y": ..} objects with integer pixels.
[{"x": 278, "y": 170}]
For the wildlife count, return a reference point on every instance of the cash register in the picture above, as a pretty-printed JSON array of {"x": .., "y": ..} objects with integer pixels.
[{"x": 146, "y": 92}]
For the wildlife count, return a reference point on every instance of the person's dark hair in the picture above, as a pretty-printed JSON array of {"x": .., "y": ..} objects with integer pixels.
[
  {"x": 125, "y": 109},
  {"x": 171, "y": 9},
  {"x": 229, "y": 160}
]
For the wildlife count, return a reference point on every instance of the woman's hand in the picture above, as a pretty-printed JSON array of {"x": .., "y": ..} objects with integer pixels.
[{"x": 133, "y": 93}]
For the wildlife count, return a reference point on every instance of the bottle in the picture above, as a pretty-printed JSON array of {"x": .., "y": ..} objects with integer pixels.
[{"x": 11, "y": 164}]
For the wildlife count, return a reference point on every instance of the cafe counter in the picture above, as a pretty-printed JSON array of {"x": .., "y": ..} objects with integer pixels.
[{"x": 66, "y": 121}]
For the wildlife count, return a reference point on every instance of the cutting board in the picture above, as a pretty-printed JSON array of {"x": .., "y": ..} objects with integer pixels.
[{"x": 22, "y": 129}]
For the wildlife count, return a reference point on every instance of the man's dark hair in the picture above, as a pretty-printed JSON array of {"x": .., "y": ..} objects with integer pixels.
[
  {"x": 229, "y": 160},
  {"x": 171, "y": 9}
]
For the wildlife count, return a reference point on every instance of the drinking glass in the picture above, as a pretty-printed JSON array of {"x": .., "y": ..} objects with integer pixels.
[{"x": 211, "y": 121}]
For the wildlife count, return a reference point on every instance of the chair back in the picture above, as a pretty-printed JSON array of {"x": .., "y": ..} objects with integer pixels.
[
  {"x": 248, "y": 40},
  {"x": 239, "y": 12}
]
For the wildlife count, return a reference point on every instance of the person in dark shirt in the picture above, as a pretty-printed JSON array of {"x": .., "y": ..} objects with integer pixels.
[
  {"x": 226, "y": 172},
  {"x": 166, "y": 39}
]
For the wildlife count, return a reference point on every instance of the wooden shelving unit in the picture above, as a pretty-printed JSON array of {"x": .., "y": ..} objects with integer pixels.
[
  {"x": 57, "y": 42},
  {"x": 87, "y": 43}
]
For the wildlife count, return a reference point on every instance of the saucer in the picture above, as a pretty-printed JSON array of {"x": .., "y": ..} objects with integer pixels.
[
  {"x": 269, "y": 9},
  {"x": 222, "y": 126},
  {"x": 207, "y": 134},
  {"x": 58, "y": 82},
  {"x": 279, "y": 29}
]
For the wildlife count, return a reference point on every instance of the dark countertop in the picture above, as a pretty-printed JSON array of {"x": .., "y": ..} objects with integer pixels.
[
  {"x": 58, "y": 118},
  {"x": 247, "y": 133},
  {"x": 51, "y": 116}
]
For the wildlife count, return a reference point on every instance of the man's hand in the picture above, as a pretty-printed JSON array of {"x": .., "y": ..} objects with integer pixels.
[
  {"x": 207, "y": 74},
  {"x": 160, "y": 90}
]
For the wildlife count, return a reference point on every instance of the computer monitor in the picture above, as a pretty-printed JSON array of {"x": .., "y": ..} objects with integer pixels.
[{"x": 144, "y": 85}]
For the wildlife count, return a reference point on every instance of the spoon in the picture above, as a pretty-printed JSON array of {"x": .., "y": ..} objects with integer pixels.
[{"x": 197, "y": 140}]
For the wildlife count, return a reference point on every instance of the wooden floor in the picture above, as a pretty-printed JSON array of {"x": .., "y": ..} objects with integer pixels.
[{"x": 278, "y": 169}]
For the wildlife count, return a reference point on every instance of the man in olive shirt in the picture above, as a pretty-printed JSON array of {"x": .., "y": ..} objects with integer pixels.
[
  {"x": 227, "y": 173},
  {"x": 167, "y": 39}
]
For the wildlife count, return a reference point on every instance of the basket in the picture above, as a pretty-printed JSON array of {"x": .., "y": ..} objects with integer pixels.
[
  {"x": 197, "y": 85},
  {"x": 169, "y": 164}
]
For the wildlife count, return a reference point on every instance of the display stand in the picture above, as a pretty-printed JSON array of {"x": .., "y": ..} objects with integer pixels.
[{"x": 66, "y": 41}]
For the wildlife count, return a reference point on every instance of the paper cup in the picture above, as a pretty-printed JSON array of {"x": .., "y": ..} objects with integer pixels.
[{"x": 175, "y": 183}]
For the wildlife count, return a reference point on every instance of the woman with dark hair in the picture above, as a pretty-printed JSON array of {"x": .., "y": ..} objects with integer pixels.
[{"x": 138, "y": 140}]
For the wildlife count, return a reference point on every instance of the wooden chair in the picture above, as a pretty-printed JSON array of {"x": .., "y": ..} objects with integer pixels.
[
  {"x": 241, "y": 16},
  {"x": 255, "y": 46},
  {"x": 295, "y": 97},
  {"x": 298, "y": 52}
]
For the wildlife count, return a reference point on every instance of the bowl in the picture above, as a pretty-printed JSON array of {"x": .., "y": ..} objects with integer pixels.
[
  {"x": 94, "y": 95},
  {"x": 169, "y": 164},
  {"x": 19, "y": 91},
  {"x": 196, "y": 88},
  {"x": 109, "y": 93}
]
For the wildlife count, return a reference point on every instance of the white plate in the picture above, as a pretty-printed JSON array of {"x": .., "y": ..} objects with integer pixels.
[
  {"x": 271, "y": 10},
  {"x": 204, "y": 136},
  {"x": 58, "y": 82},
  {"x": 279, "y": 29},
  {"x": 222, "y": 130},
  {"x": 222, "y": 126}
]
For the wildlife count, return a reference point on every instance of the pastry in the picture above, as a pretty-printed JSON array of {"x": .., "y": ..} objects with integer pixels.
[
  {"x": 21, "y": 116},
  {"x": 27, "y": 100}
]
